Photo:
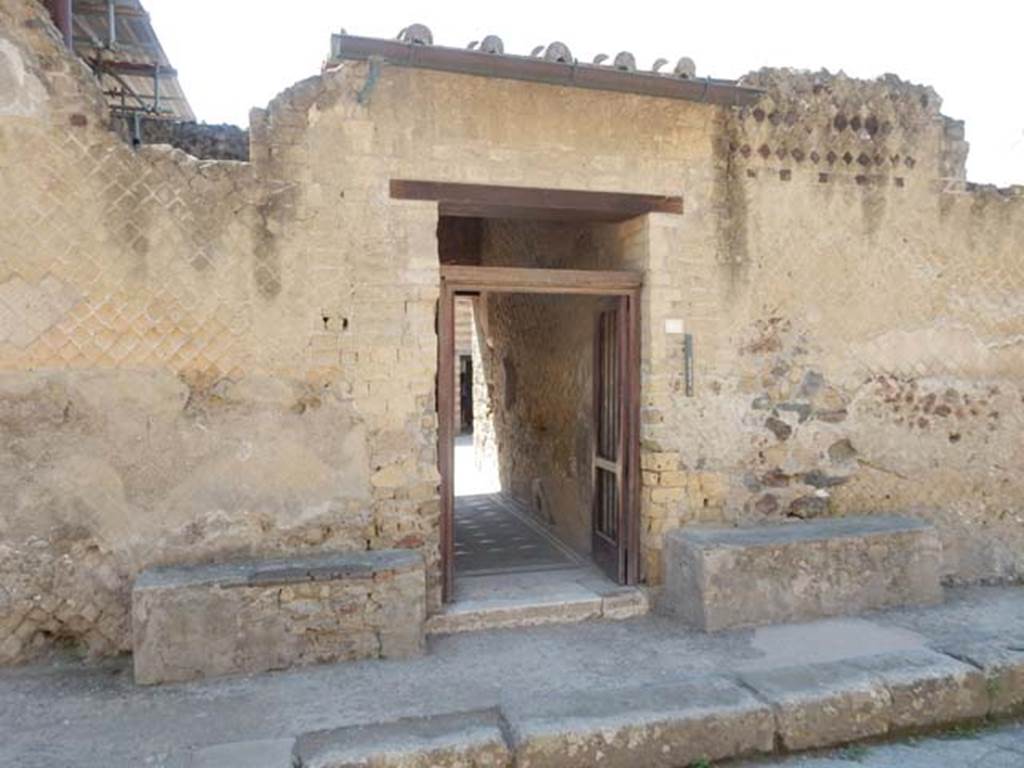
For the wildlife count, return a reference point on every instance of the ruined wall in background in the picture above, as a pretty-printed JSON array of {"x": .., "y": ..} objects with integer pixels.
[
  {"x": 201, "y": 140},
  {"x": 859, "y": 328}
]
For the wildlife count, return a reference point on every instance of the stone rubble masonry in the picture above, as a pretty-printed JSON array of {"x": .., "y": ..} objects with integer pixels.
[
  {"x": 201, "y": 140},
  {"x": 210, "y": 359},
  {"x": 236, "y": 618},
  {"x": 696, "y": 721},
  {"x": 723, "y": 578}
]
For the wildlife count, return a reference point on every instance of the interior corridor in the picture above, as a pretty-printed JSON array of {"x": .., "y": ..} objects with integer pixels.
[{"x": 493, "y": 534}]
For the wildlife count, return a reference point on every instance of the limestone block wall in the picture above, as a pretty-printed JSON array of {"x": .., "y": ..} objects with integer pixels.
[
  {"x": 858, "y": 328},
  {"x": 171, "y": 358},
  {"x": 202, "y": 359}
]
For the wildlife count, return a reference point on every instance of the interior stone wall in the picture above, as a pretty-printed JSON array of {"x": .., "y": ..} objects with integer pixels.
[{"x": 537, "y": 365}]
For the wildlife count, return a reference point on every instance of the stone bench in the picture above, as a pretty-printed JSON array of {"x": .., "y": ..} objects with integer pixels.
[
  {"x": 737, "y": 577},
  {"x": 201, "y": 621}
]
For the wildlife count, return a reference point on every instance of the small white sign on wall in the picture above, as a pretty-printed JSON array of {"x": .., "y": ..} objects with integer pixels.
[{"x": 674, "y": 326}]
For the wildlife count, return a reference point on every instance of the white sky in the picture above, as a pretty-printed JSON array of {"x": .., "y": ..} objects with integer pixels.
[{"x": 235, "y": 54}]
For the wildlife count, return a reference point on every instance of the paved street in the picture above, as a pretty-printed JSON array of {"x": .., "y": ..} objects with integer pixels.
[{"x": 73, "y": 714}]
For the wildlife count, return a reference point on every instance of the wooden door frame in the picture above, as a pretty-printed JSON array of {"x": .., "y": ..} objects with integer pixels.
[{"x": 457, "y": 279}]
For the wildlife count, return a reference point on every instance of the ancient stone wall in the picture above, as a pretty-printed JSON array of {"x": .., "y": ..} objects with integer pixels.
[
  {"x": 202, "y": 359},
  {"x": 858, "y": 328},
  {"x": 170, "y": 387}
]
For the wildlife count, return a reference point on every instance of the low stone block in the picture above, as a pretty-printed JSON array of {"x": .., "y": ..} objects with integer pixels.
[
  {"x": 927, "y": 688},
  {"x": 1003, "y": 668},
  {"x": 719, "y": 578},
  {"x": 653, "y": 726},
  {"x": 461, "y": 740},
  {"x": 202, "y": 621},
  {"x": 820, "y": 705}
]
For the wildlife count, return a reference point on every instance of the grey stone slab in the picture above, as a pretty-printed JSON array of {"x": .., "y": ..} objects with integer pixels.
[
  {"x": 459, "y": 740},
  {"x": 1003, "y": 667},
  {"x": 323, "y": 567},
  {"x": 654, "y": 726},
  {"x": 927, "y": 688},
  {"x": 821, "y": 705},
  {"x": 772, "y": 535},
  {"x": 262, "y": 753},
  {"x": 737, "y": 577}
]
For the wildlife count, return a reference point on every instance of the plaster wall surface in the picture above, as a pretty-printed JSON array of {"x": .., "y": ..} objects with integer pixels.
[{"x": 202, "y": 360}]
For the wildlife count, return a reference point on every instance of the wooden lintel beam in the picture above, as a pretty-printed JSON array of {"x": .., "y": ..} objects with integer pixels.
[
  {"x": 460, "y": 277},
  {"x": 488, "y": 200}
]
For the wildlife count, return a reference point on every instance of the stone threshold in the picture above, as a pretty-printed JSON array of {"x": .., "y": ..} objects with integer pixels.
[
  {"x": 512, "y": 600},
  {"x": 711, "y": 718}
]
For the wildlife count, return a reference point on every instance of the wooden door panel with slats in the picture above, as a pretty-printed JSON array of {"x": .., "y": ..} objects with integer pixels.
[{"x": 609, "y": 449}]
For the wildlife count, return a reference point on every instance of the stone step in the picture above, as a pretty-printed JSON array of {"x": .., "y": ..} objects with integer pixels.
[
  {"x": 721, "y": 578},
  {"x": 459, "y": 739},
  {"x": 652, "y": 726},
  {"x": 819, "y": 705},
  {"x": 533, "y": 599}
]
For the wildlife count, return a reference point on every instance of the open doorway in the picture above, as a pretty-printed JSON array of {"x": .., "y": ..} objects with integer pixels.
[
  {"x": 543, "y": 477},
  {"x": 521, "y": 475},
  {"x": 543, "y": 242}
]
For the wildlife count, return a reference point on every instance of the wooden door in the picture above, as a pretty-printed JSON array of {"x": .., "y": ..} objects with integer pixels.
[{"x": 610, "y": 493}]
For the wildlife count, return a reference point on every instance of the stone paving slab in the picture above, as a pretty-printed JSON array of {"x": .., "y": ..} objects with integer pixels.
[
  {"x": 652, "y": 726},
  {"x": 262, "y": 753},
  {"x": 1003, "y": 667},
  {"x": 822, "y": 704},
  {"x": 998, "y": 747},
  {"x": 927, "y": 688},
  {"x": 458, "y": 740}
]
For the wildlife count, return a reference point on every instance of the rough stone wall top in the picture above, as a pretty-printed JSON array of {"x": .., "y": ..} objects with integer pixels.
[
  {"x": 834, "y": 121},
  {"x": 201, "y": 140}
]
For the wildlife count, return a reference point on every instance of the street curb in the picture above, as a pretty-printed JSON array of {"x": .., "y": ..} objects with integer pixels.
[{"x": 716, "y": 717}]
